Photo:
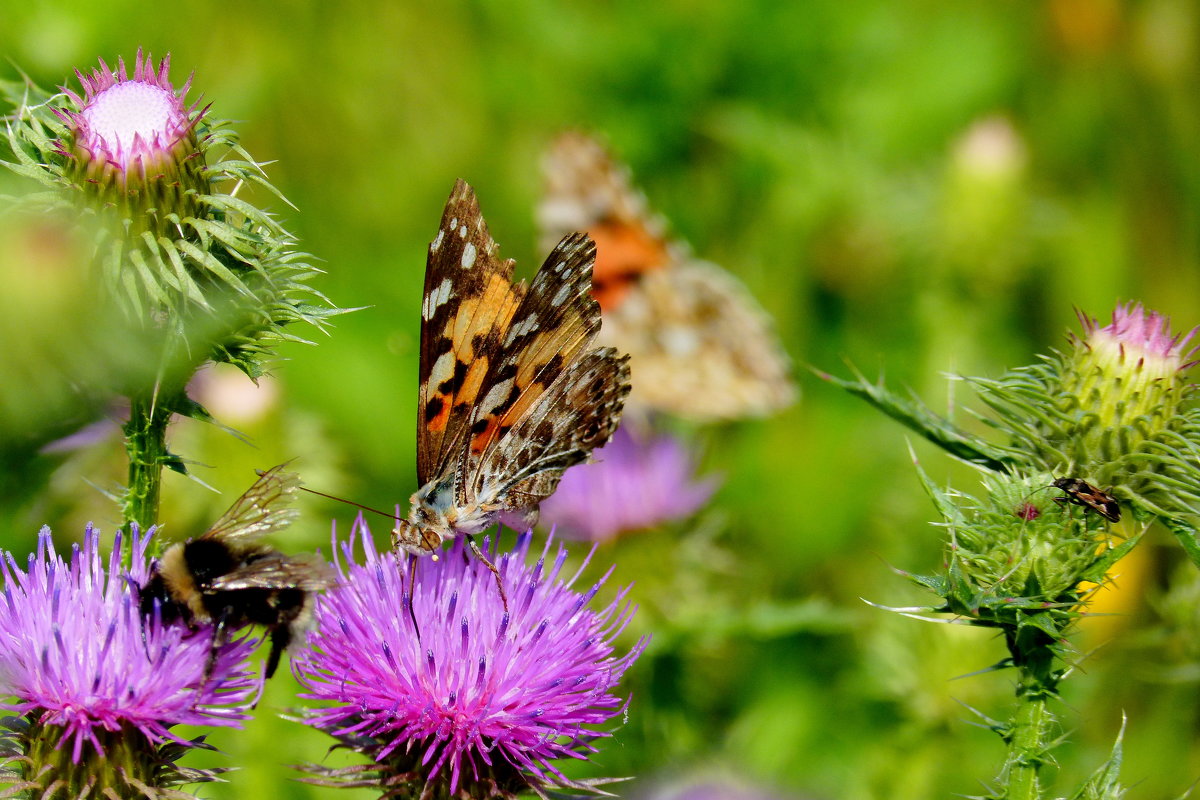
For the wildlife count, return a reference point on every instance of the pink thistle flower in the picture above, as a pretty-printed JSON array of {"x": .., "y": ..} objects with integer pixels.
[
  {"x": 479, "y": 699},
  {"x": 1138, "y": 339},
  {"x": 130, "y": 133},
  {"x": 631, "y": 484},
  {"x": 1131, "y": 368},
  {"x": 87, "y": 670}
]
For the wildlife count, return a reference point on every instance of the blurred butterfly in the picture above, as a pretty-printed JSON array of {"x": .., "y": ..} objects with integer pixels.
[
  {"x": 512, "y": 392},
  {"x": 700, "y": 345}
]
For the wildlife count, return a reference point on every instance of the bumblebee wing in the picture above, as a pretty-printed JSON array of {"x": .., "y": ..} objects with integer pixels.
[
  {"x": 275, "y": 570},
  {"x": 263, "y": 508}
]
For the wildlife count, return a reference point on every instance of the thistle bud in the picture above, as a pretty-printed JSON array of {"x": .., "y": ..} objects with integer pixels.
[
  {"x": 132, "y": 141},
  {"x": 1018, "y": 549},
  {"x": 1130, "y": 372},
  {"x": 151, "y": 181}
]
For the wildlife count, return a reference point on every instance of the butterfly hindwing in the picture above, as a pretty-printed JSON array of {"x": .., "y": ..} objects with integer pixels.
[
  {"x": 469, "y": 302},
  {"x": 576, "y": 414}
]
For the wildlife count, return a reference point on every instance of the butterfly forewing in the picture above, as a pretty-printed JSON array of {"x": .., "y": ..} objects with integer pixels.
[
  {"x": 556, "y": 322},
  {"x": 586, "y": 190},
  {"x": 263, "y": 509},
  {"x": 468, "y": 305}
]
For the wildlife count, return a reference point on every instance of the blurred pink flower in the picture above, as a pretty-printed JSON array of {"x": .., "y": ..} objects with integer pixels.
[{"x": 630, "y": 484}]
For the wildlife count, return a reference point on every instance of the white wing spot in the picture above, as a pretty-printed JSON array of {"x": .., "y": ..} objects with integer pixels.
[
  {"x": 454, "y": 223},
  {"x": 523, "y": 327},
  {"x": 443, "y": 368},
  {"x": 437, "y": 243},
  {"x": 435, "y": 299},
  {"x": 497, "y": 395},
  {"x": 462, "y": 232},
  {"x": 561, "y": 295},
  {"x": 468, "y": 256}
]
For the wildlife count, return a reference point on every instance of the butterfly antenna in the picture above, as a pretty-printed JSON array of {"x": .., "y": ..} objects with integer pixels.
[
  {"x": 348, "y": 502},
  {"x": 412, "y": 586},
  {"x": 499, "y": 583}
]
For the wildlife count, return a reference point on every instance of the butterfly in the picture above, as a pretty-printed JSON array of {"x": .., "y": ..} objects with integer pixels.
[
  {"x": 701, "y": 346},
  {"x": 512, "y": 392}
]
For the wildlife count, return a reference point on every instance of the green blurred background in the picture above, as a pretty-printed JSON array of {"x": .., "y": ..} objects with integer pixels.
[{"x": 921, "y": 188}]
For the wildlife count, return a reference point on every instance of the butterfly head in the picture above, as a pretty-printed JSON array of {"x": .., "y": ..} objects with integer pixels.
[{"x": 415, "y": 539}]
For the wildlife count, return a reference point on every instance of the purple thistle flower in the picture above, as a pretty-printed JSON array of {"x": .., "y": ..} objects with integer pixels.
[
  {"x": 133, "y": 128},
  {"x": 479, "y": 699},
  {"x": 72, "y": 654},
  {"x": 631, "y": 484}
]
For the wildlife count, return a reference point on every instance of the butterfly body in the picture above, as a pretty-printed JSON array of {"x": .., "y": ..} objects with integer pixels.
[{"x": 512, "y": 392}]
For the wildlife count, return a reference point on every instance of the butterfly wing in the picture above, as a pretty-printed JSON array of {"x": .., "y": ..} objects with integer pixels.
[
  {"x": 468, "y": 303},
  {"x": 553, "y": 398},
  {"x": 586, "y": 190},
  {"x": 262, "y": 509},
  {"x": 702, "y": 347}
]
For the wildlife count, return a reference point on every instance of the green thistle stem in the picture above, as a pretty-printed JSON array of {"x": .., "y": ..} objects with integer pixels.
[
  {"x": 1029, "y": 731},
  {"x": 146, "y": 445}
]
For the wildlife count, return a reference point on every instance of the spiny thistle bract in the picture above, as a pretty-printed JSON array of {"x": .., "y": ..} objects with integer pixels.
[
  {"x": 156, "y": 181},
  {"x": 96, "y": 686},
  {"x": 1016, "y": 557},
  {"x": 1116, "y": 411},
  {"x": 476, "y": 701}
]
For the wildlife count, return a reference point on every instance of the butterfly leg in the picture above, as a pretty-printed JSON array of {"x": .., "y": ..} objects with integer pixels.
[{"x": 479, "y": 554}]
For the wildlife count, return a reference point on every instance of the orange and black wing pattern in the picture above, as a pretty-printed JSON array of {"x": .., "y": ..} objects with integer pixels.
[
  {"x": 700, "y": 345},
  {"x": 468, "y": 306}
]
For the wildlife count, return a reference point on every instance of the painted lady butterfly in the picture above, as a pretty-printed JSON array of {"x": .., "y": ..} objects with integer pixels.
[
  {"x": 512, "y": 391},
  {"x": 701, "y": 345}
]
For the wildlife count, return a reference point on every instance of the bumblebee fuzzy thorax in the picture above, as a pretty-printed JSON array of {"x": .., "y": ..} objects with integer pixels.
[{"x": 181, "y": 583}]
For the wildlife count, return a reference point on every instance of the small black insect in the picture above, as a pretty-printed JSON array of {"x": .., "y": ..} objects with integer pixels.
[
  {"x": 228, "y": 578},
  {"x": 1082, "y": 493}
]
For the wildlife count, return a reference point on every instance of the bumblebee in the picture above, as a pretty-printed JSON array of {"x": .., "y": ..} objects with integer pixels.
[{"x": 228, "y": 578}]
